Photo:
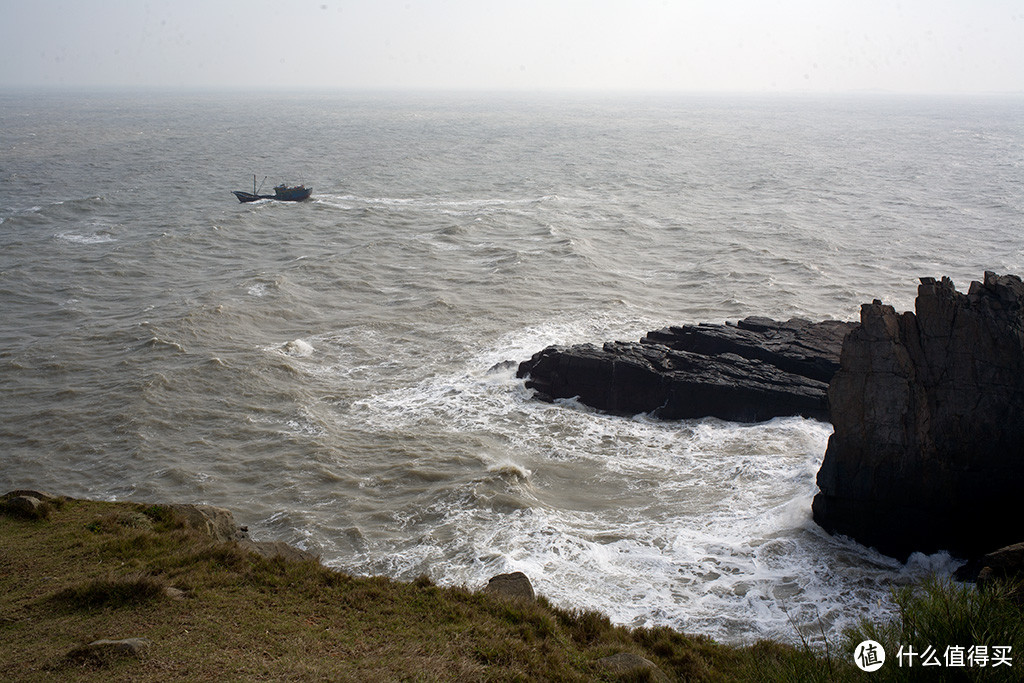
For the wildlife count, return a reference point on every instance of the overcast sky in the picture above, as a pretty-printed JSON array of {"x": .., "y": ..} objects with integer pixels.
[{"x": 914, "y": 46}]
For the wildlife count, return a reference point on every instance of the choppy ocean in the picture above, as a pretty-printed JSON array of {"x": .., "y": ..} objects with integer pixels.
[{"x": 335, "y": 371}]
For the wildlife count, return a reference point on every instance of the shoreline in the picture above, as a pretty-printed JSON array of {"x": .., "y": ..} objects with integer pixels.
[
  {"x": 151, "y": 592},
  {"x": 117, "y": 587}
]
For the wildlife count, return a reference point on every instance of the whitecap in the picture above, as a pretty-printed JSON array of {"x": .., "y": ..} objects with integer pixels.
[
  {"x": 94, "y": 238},
  {"x": 298, "y": 348},
  {"x": 511, "y": 470},
  {"x": 157, "y": 342},
  {"x": 940, "y": 563}
]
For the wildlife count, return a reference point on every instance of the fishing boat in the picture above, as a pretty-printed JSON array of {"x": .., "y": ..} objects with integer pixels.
[{"x": 282, "y": 193}]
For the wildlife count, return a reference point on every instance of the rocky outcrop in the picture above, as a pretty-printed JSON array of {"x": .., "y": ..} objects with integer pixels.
[
  {"x": 26, "y": 506},
  {"x": 753, "y": 370},
  {"x": 1005, "y": 563},
  {"x": 214, "y": 521},
  {"x": 928, "y": 409},
  {"x": 27, "y": 503},
  {"x": 220, "y": 524},
  {"x": 1002, "y": 564}
]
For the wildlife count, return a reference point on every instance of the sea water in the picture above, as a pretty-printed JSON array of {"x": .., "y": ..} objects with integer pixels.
[{"x": 341, "y": 372}]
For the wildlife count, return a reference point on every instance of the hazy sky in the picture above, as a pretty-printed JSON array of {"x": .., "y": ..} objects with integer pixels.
[{"x": 917, "y": 46}]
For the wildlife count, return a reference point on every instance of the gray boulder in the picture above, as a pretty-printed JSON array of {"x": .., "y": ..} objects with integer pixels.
[
  {"x": 514, "y": 585},
  {"x": 26, "y": 506}
]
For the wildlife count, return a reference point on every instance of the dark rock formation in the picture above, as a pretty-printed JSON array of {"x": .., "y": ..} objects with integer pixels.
[
  {"x": 750, "y": 371},
  {"x": 928, "y": 409},
  {"x": 1005, "y": 563}
]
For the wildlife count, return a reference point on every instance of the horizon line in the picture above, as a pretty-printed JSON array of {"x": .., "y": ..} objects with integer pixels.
[{"x": 475, "y": 90}]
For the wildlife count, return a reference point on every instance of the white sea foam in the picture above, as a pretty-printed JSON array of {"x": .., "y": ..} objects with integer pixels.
[
  {"x": 92, "y": 238},
  {"x": 701, "y": 525},
  {"x": 298, "y": 348},
  {"x": 511, "y": 469},
  {"x": 441, "y": 205}
]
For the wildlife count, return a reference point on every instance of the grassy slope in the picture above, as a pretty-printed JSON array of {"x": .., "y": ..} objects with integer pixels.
[{"x": 92, "y": 570}]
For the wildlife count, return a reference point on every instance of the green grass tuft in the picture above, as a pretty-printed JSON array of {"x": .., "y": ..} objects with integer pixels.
[
  {"x": 941, "y": 613},
  {"x": 112, "y": 592},
  {"x": 160, "y": 514}
]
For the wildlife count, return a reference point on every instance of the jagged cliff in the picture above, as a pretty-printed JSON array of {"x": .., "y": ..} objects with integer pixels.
[{"x": 928, "y": 409}]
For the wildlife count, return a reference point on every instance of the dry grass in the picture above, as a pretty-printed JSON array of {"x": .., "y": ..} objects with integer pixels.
[{"x": 215, "y": 611}]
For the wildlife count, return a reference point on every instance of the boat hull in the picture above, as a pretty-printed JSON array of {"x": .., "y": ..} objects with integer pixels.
[
  {"x": 288, "y": 194},
  {"x": 248, "y": 196}
]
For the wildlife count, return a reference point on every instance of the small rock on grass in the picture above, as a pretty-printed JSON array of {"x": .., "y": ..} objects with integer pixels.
[
  {"x": 625, "y": 662},
  {"x": 27, "y": 507},
  {"x": 102, "y": 652},
  {"x": 514, "y": 585}
]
